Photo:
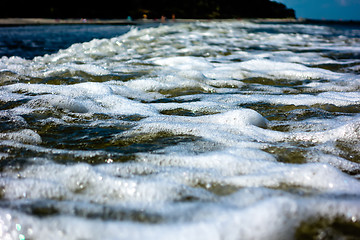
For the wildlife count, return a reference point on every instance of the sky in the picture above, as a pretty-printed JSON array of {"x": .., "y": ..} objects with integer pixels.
[{"x": 325, "y": 9}]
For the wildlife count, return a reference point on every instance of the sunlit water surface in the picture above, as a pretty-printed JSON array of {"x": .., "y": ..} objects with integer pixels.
[{"x": 204, "y": 130}]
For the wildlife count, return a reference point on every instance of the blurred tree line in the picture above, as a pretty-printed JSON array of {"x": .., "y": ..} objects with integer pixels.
[{"x": 204, "y": 9}]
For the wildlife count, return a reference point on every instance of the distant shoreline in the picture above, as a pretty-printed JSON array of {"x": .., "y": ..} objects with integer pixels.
[
  {"x": 13, "y": 22},
  {"x": 8, "y": 22},
  {"x": 70, "y": 21}
]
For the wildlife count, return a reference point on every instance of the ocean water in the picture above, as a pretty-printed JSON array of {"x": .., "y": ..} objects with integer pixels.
[{"x": 204, "y": 130}]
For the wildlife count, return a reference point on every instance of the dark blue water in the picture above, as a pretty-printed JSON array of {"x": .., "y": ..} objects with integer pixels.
[{"x": 30, "y": 41}]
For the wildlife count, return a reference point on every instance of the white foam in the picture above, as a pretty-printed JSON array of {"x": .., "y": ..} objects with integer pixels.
[
  {"x": 80, "y": 98},
  {"x": 270, "y": 69},
  {"x": 24, "y": 136},
  {"x": 185, "y": 63},
  {"x": 223, "y": 223},
  {"x": 345, "y": 132},
  {"x": 74, "y": 68}
]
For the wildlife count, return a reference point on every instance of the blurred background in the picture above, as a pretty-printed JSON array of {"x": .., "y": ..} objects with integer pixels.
[{"x": 152, "y": 9}]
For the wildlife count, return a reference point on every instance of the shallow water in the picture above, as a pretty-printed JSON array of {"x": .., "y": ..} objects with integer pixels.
[{"x": 215, "y": 130}]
